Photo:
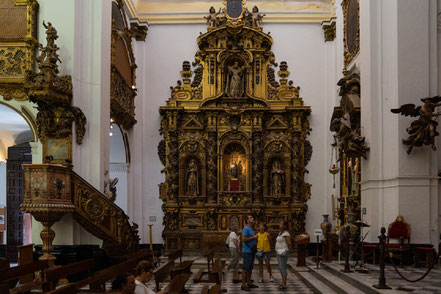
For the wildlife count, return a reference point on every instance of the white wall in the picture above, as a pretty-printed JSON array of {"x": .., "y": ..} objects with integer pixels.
[{"x": 159, "y": 61}]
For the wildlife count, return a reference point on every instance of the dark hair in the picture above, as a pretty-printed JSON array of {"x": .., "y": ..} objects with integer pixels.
[
  {"x": 264, "y": 225},
  {"x": 285, "y": 224},
  {"x": 145, "y": 266},
  {"x": 248, "y": 216},
  {"x": 120, "y": 281}
]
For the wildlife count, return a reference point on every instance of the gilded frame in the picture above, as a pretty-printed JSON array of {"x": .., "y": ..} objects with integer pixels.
[{"x": 346, "y": 6}]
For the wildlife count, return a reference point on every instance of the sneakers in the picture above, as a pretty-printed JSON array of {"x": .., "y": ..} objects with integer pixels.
[
  {"x": 271, "y": 279},
  {"x": 260, "y": 280},
  {"x": 244, "y": 288},
  {"x": 252, "y": 286}
]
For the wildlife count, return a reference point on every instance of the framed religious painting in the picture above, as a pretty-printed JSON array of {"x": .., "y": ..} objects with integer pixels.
[{"x": 351, "y": 38}]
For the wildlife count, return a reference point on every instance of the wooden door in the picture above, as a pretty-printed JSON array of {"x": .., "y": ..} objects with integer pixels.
[{"x": 17, "y": 155}]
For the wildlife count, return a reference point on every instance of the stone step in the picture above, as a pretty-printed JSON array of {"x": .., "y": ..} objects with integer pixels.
[{"x": 333, "y": 281}]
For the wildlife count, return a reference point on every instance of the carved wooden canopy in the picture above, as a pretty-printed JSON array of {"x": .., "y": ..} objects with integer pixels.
[{"x": 235, "y": 137}]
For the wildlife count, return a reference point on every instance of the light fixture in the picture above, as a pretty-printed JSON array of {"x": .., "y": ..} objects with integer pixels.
[{"x": 333, "y": 168}]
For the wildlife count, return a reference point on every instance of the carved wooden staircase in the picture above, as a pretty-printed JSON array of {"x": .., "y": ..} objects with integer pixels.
[{"x": 51, "y": 191}]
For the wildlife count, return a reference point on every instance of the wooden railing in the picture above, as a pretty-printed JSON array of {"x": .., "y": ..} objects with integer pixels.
[{"x": 51, "y": 191}]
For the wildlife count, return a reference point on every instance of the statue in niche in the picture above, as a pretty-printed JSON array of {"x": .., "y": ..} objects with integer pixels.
[
  {"x": 213, "y": 20},
  {"x": 235, "y": 80},
  {"x": 277, "y": 179},
  {"x": 236, "y": 169},
  {"x": 192, "y": 179},
  {"x": 255, "y": 17}
]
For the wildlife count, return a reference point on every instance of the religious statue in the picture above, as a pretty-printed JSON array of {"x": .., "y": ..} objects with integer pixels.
[
  {"x": 255, "y": 17},
  {"x": 112, "y": 189},
  {"x": 348, "y": 139},
  {"x": 277, "y": 179},
  {"x": 192, "y": 179},
  {"x": 213, "y": 20},
  {"x": 235, "y": 81},
  {"x": 236, "y": 169},
  {"x": 423, "y": 130}
]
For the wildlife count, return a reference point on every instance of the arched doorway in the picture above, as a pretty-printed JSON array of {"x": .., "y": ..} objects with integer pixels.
[
  {"x": 15, "y": 150},
  {"x": 118, "y": 165}
]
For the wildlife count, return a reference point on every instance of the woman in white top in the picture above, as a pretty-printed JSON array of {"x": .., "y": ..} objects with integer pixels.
[
  {"x": 144, "y": 272},
  {"x": 283, "y": 246},
  {"x": 233, "y": 242}
]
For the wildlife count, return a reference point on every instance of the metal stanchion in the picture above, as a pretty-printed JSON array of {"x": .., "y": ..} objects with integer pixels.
[
  {"x": 347, "y": 268},
  {"x": 381, "y": 245}
]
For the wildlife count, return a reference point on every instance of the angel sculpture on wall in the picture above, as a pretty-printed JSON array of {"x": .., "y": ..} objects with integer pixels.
[
  {"x": 213, "y": 20},
  {"x": 112, "y": 189},
  {"x": 255, "y": 17},
  {"x": 348, "y": 139},
  {"x": 423, "y": 130}
]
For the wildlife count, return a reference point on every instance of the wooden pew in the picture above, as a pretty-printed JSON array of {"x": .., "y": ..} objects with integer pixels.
[
  {"x": 141, "y": 254},
  {"x": 198, "y": 277},
  {"x": 177, "y": 284},
  {"x": 184, "y": 266},
  {"x": 216, "y": 289},
  {"x": 52, "y": 276},
  {"x": 10, "y": 277},
  {"x": 162, "y": 274}
]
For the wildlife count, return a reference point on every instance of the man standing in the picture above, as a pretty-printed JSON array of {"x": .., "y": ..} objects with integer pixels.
[{"x": 249, "y": 241}]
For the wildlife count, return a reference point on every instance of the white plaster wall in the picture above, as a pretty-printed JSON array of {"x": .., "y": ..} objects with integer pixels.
[
  {"x": 398, "y": 66},
  {"x": 84, "y": 29},
  {"x": 159, "y": 61}
]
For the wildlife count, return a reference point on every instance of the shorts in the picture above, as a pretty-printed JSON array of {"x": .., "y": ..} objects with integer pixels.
[
  {"x": 263, "y": 255},
  {"x": 248, "y": 262}
]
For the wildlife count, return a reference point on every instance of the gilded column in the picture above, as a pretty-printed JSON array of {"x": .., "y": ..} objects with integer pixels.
[
  {"x": 212, "y": 167},
  {"x": 257, "y": 158}
]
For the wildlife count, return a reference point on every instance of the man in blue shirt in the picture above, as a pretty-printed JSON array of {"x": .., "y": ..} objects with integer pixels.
[{"x": 249, "y": 241}]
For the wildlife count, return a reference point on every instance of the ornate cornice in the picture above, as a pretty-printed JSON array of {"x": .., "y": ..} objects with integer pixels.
[
  {"x": 191, "y": 12},
  {"x": 329, "y": 29}
]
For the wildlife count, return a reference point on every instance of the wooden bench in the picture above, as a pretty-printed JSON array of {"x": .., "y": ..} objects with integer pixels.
[
  {"x": 177, "y": 284},
  {"x": 52, "y": 276},
  {"x": 139, "y": 255},
  {"x": 216, "y": 289},
  {"x": 162, "y": 274},
  {"x": 9, "y": 277},
  {"x": 184, "y": 267},
  {"x": 210, "y": 256}
]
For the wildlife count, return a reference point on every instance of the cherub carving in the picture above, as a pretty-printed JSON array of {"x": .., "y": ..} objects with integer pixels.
[
  {"x": 255, "y": 17},
  {"x": 423, "y": 130},
  {"x": 213, "y": 20}
]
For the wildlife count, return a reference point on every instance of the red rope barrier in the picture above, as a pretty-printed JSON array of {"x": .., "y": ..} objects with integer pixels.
[
  {"x": 404, "y": 278},
  {"x": 366, "y": 254}
]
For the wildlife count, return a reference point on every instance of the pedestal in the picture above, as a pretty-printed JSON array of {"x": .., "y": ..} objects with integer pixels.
[
  {"x": 301, "y": 254},
  {"x": 234, "y": 185}
]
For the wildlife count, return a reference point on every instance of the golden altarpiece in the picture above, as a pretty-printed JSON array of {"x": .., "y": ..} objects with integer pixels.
[{"x": 235, "y": 138}]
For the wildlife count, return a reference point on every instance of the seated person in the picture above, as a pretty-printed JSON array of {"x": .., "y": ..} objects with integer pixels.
[
  {"x": 144, "y": 272},
  {"x": 124, "y": 284}
]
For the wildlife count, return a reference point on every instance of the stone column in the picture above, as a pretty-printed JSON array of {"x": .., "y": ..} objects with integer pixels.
[{"x": 398, "y": 66}]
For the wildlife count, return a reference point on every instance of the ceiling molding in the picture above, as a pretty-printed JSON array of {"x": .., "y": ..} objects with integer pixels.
[{"x": 178, "y": 12}]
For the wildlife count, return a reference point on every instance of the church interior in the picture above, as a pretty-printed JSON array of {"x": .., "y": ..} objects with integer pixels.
[{"x": 150, "y": 130}]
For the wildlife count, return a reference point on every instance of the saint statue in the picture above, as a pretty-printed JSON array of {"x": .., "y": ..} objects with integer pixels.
[
  {"x": 236, "y": 169},
  {"x": 192, "y": 179},
  {"x": 277, "y": 179},
  {"x": 235, "y": 80}
]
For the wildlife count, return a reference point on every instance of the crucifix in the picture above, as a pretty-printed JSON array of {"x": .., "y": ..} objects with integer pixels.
[{"x": 234, "y": 4}]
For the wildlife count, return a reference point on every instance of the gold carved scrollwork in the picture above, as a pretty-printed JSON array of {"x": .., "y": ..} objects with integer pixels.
[
  {"x": 351, "y": 36},
  {"x": 231, "y": 124}
]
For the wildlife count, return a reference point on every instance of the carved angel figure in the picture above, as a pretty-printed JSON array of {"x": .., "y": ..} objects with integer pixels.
[
  {"x": 348, "y": 139},
  {"x": 112, "y": 188},
  {"x": 235, "y": 82},
  {"x": 213, "y": 19},
  {"x": 255, "y": 17},
  {"x": 423, "y": 130}
]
